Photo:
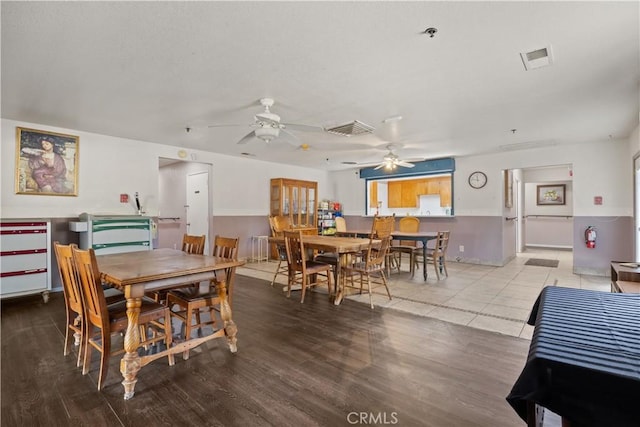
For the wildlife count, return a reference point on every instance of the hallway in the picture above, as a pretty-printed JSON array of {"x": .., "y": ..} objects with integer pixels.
[{"x": 496, "y": 299}]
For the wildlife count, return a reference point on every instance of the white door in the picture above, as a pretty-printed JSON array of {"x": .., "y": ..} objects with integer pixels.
[{"x": 198, "y": 206}]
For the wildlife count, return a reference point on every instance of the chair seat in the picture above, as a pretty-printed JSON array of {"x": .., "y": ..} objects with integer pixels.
[
  {"x": 113, "y": 295},
  {"x": 194, "y": 294},
  {"x": 150, "y": 310},
  {"x": 362, "y": 266},
  {"x": 317, "y": 267},
  {"x": 405, "y": 249},
  {"x": 327, "y": 258}
]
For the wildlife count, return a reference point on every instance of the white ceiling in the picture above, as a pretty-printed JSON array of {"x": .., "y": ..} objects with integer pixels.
[{"x": 148, "y": 70}]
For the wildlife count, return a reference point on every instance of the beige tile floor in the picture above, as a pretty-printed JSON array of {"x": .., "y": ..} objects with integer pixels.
[{"x": 497, "y": 299}]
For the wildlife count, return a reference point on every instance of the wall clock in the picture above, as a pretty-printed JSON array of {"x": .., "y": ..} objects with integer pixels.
[{"x": 477, "y": 179}]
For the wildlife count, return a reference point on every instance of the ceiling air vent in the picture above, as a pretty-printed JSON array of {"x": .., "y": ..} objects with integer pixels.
[
  {"x": 530, "y": 144},
  {"x": 537, "y": 58},
  {"x": 350, "y": 129}
]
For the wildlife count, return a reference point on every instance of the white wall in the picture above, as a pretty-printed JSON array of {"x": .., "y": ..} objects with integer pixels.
[
  {"x": 599, "y": 169},
  {"x": 109, "y": 166}
]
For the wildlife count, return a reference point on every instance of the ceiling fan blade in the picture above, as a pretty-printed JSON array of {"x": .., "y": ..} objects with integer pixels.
[
  {"x": 230, "y": 125},
  {"x": 289, "y": 138},
  {"x": 404, "y": 164},
  {"x": 305, "y": 128},
  {"x": 380, "y": 166},
  {"x": 248, "y": 137}
]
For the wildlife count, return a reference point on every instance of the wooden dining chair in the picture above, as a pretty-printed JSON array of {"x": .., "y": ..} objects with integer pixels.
[
  {"x": 372, "y": 264},
  {"x": 192, "y": 300},
  {"x": 341, "y": 224},
  {"x": 408, "y": 224},
  {"x": 191, "y": 245},
  {"x": 72, "y": 297},
  {"x": 435, "y": 255},
  {"x": 102, "y": 320},
  {"x": 283, "y": 266},
  {"x": 379, "y": 230},
  {"x": 74, "y": 306},
  {"x": 305, "y": 272}
]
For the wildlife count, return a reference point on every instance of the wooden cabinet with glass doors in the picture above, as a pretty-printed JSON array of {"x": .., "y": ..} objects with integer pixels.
[{"x": 298, "y": 200}]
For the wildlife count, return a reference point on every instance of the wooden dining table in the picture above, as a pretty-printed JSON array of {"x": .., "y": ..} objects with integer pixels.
[
  {"x": 343, "y": 246},
  {"x": 418, "y": 236},
  {"x": 138, "y": 272}
]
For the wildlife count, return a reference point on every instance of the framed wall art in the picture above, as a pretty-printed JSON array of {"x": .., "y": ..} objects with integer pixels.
[
  {"x": 551, "y": 194},
  {"x": 46, "y": 163}
]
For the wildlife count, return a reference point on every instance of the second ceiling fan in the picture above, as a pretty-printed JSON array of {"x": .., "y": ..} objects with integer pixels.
[
  {"x": 269, "y": 127},
  {"x": 390, "y": 161}
]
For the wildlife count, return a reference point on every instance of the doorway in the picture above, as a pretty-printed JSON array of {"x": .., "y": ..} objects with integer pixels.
[
  {"x": 197, "y": 207},
  {"x": 541, "y": 225},
  {"x": 179, "y": 204}
]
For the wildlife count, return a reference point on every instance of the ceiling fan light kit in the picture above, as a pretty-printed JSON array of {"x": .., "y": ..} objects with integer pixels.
[
  {"x": 267, "y": 133},
  {"x": 268, "y": 126}
]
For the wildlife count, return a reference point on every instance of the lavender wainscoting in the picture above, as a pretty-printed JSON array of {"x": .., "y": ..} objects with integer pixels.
[
  {"x": 481, "y": 236},
  {"x": 243, "y": 227},
  {"x": 615, "y": 242}
]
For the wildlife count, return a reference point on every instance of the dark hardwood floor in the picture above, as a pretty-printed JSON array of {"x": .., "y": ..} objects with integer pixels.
[{"x": 297, "y": 365}]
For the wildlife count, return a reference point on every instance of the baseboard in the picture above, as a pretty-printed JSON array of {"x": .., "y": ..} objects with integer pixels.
[{"x": 570, "y": 248}]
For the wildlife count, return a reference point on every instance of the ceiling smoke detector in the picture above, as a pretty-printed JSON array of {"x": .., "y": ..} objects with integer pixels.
[
  {"x": 537, "y": 58},
  {"x": 431, "y": 31}
]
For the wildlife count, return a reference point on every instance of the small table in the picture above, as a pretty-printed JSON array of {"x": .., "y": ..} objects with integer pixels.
[
  {"x": 137, "y": 272},
  {"x": 584, "y": 358}
]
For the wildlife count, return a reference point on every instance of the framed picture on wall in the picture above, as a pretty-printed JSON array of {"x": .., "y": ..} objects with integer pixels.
[
  {"x": 551, "y": 194},
  {"x": 46, "y": 163}
]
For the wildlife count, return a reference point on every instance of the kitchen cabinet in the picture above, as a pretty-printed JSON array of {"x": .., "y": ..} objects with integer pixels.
[
  {"x": 409, "y": 195},
  {"x": 25, "y": 260},
  {"x": 394, "y": 194},
  {"x": 373, "y": 194},
  {"x": 405, "y": 194}
]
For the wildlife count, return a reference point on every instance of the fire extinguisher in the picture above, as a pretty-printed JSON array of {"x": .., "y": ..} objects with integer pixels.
[{"x": 590, "y": 237}]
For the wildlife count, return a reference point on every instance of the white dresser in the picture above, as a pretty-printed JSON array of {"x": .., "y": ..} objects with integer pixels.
[
  {"x": 114, "y": 234},
  {"x": 25, "y": 257}
]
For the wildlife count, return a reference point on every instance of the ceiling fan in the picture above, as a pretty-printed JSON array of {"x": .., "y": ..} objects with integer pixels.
[
  {"x": 390, "y": 161},
  {"x": 269, "y": 127}
]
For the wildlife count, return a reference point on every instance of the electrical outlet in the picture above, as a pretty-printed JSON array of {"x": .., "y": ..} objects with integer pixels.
[{"x": 461, "y": 248}]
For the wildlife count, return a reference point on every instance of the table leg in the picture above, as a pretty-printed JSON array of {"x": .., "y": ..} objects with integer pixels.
[
  {"x": 130, "y": 363},
  {"x": 424, "y": 260},
  {"x": 230, "y": 327},
  {"x": 342, "y": 260}
]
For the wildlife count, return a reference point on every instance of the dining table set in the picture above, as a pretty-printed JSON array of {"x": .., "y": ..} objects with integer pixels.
[
  {"x": 347, "y": 244},
  {"x": 137, "y": 273}
]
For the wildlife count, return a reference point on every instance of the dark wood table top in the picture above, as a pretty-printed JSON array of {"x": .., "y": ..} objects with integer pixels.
[
  {"x": 331, "y": 243},
  {"x": 150, "y": 266}
]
